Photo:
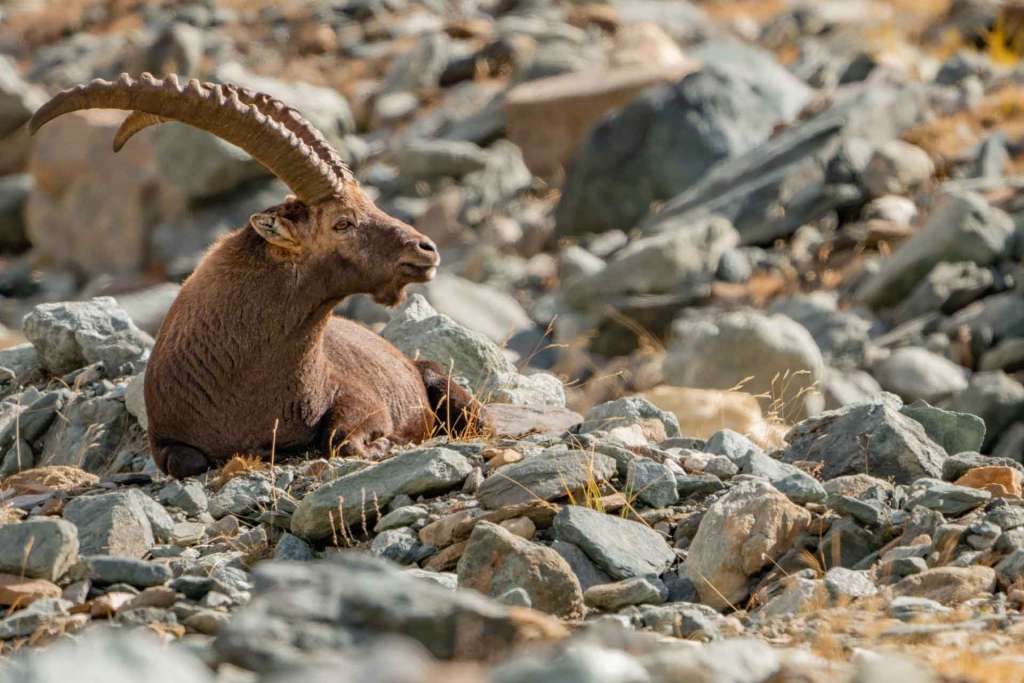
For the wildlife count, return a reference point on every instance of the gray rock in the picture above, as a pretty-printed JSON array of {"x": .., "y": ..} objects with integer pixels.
[
  {"x": 946, "y": 498},
  {"x": 106, "y": 570},
  {"x": 419, "y": 331},
  {"x": 848, "y": 584},
  {"x": 897, "y": 167},
  {"x": 866, "y": 438},
  {"x": 73, "y": 334},
  {"x": 111, "y": 524},
  {"x": 112, "y": 655},
  {"x": 497, "y": 561},
  {"x": 1011, "y": 567},
  {"x": 682, "y": 261},
  {"x": 995, "y": 397},
  {"x": 159, "y": 520},
  {"x": 199, "y": 164},
  {"x": 652, "y": 482},
  {"x": 135, "y": 399},
  {"x": 587, "y": 573},
  {"x": 625, "y": 411},
  {"x": 42, "y": 612},
  {"x": 578, "y": 664},
  {"x": 421, "y": 67},
  {"x": 868, "y": 512},
  {"x": 732, "y": 445},
  {"x": 516, "y": 597},
  {"x": 189, "y": 496},
  {"x": 844, "y": 387},
  {"x": 344, "y": 502},
  {"x": 18, "y": 98},
  {"x": 549, "y": 475},
  {"x": 768, "y": 355},
  {"x": 963, "y": 227},
  {"x": 841, "y": 335},
  {"x": 241, "y": 496},
  {"x": 407, "y": 515},
  {"x": 799, "y": 596},
  {"x": 301, "y": 611},
  {"x": 430, "y": 159},
  {"x": 29, "y": 415},
  {"x": 916, "y": 374},
  {"x": 620, "y": 547},
  {"x": 907, "y": 608},
  {"x": 954, "y": 432},
  {"x": 401, "y": 546},
  {"x": 640, "y": 590},
  {"x": 95, "y": 434},
  {"x": 948, "y": 287},
  {"x": 736, "y": 660},
  {"x": 293, "y": 548},
  {"x": 789, "y": 181},
  {"x": 689, "y": 620},
  {"x": 635, "y": 157},
  {"x": 324, "y": 107},
  {"x": 800, "y": 487},
  {"x": 39, "y": 548},
  {"x": 482, "y": 308}
]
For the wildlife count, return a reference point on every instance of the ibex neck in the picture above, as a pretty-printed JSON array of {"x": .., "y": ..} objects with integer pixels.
[{"x": 272, "y": 311}]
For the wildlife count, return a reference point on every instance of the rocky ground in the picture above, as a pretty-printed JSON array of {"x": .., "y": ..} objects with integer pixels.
[{"x": 739, "y": 282}]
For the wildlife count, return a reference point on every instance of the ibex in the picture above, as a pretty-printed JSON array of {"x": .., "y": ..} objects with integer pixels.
[{"x": 250, "y": 356}]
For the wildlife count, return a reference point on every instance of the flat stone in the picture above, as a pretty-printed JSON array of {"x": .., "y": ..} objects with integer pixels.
[
  {"x": 998, "y": 481},
  {"x": 549, "y": 475},
  {"x": 108, "y": 570},
  {"x": 364, "y": 493},
  {"x": 620, "y": 547},
  {"x": 949, "y": 585},
  {"x": 949, "y": 499},
  {"x": 18, "y": 591},
  {"x": 640, "y": 590}
]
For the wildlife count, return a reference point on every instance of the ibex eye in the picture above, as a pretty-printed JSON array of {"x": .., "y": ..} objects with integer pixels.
[{"x": 342, "y": 225}]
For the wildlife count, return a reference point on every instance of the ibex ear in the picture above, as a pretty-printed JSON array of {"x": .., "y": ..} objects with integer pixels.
[{"x": 276, "y": 230}]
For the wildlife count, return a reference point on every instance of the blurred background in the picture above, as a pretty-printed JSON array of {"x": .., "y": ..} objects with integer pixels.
[{"x": 683, "y": 199}]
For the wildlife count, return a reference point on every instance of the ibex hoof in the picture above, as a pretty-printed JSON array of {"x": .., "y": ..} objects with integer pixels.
[{"x": 183, "y": 461}]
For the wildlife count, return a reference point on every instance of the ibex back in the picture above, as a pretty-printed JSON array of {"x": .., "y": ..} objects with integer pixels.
[{"x": 250, "y": 356}]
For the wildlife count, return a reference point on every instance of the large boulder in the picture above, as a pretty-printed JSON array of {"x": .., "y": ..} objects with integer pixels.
[
  {"x": 657, "y": 145},
  {"x": 421, "y": 332},
  {"x": 915, "y": 373},
  {"x": 872, "y": 437},
  {"x": 74, "y": 170},
  {"x": 769, "y": 356},
  {"x": 200, "y": 164},
  {"x": 70, "y": 335},
  {"x": 112, "y": 524},
  {"x": 619, "y": 547}
]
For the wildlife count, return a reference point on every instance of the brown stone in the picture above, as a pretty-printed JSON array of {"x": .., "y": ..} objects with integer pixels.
[
  {"x": 19, "y": 592},
  {"x": 522, "y": 527},
  {"x": 1000, "y": 481},
  {"x": 442, "y": 532},
  {"x": 49, "y": 478},
  {"x": 496, "y": 561},
  {"x": 502, "y": 456},
  {"x": 109, "y": 604},
  {"x": 548, "y": 118},
  {"x": 702, "y": 412},
  {"x": 446, "y": 559},
  {"x": 949, "y": 585},
  {"x": 517, "y": 421},
  {"x": 75, "y": 170}
]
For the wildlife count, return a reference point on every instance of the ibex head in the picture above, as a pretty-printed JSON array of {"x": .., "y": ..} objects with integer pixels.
[{"x": 330, "y": 224}]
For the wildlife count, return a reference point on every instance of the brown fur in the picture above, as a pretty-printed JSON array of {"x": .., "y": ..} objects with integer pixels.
[{"x": 251, "y": 340}]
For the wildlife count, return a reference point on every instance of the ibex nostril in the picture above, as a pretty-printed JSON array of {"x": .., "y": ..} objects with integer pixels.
[{"x": 427, "y": 246}]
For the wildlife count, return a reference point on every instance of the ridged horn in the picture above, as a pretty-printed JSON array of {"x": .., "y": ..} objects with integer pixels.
[
  {"x": 287, "y": 116},
  {"x": 288, "y": 146}
]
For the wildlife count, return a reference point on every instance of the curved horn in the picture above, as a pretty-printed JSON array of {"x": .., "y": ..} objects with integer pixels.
[
  {"x": 290, "y": 118},
  {"x": 294, "y": 158}
]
